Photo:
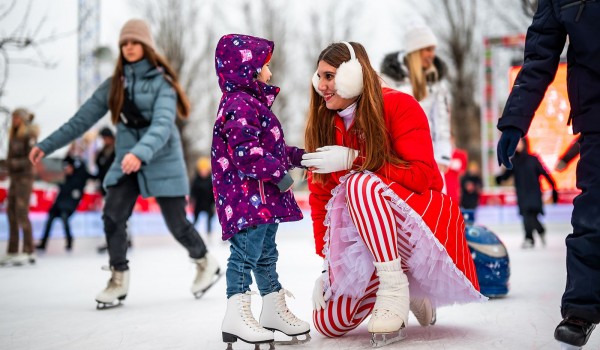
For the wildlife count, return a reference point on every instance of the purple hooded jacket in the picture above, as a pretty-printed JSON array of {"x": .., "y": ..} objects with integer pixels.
[{"x": 250, "y": 160}]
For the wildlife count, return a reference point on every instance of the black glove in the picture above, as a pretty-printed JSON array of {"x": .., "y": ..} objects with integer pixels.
[
  {"x": 507, "y": 145},
  {"x": 554, "y": 196}
]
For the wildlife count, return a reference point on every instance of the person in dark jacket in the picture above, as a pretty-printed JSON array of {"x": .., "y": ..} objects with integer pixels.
[
  {"x": 471, "y": 186},
  {"x": 104, "y": 159},
  {"x": 201, "y": 193},
  {"x": 554, "y": 21},
  {"x": 527, "y": 170},
  {"x": 68, "y": 198}
]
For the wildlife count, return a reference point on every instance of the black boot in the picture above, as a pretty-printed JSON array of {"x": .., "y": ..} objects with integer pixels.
[
  {"x": 573, "y": 331},
  {"x": 69, "y": 244},
  {"x": 41, "y": 245}
]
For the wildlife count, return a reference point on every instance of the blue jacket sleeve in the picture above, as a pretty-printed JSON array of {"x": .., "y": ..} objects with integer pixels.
[
  {"x": 544, "y": 43},
  {"x": 88, "y": 114}
]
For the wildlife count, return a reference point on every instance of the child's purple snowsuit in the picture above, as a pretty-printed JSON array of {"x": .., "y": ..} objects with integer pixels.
[{"x": 250, "y": 160}]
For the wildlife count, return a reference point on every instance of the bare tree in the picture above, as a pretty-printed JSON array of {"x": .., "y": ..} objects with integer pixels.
[
  {"x": 175, "y": 24},
  {"x": 23, "y": 44}
]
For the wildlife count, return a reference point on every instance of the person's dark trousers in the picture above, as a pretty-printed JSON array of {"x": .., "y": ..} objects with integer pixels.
[
  {"x": 581, "y": 298},
  {"x": 54, "y": 213},
  {"x": 210, "y": 213},
  {"x": 120, "y": 200},
  {"x": 531, "y": 223}
]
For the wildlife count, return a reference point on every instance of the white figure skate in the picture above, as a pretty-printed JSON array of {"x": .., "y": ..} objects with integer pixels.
[
  {"x": 239, "y": 323},
  {"x": 18, "y": 259},
  {"x": 115, "y": 291},
  {"x": 208, "y": 273},
  {"x": 276, "y": 316},
  {"x": 423, "y": 310},
  {"x": 390, "y": 313}
]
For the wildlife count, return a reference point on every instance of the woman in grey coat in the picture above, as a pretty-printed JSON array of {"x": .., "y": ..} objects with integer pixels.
[{"x": 144, "y": 98}]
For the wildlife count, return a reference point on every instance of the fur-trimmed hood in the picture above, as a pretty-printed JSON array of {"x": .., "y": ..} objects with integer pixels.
[
  {"x": 25, "y": 130},
  {"x": 394, "y": 67}
]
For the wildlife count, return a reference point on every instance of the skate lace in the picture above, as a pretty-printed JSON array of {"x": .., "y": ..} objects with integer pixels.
[
  {"x": 115, "y": 280},
  {"x": 282, "y": 308},
  {"x": 246, "y": 312}
]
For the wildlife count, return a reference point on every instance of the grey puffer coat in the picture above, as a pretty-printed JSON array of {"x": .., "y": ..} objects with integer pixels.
[{"x": 158, "y": 146}]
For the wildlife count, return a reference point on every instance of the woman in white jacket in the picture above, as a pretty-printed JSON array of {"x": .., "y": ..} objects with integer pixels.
[{"x": 420, "y": 73}]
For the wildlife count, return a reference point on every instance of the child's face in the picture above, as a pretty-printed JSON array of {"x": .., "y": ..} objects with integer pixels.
[
  {"x": 265, "y": 74},
  {"x": 132, "y": 51}
]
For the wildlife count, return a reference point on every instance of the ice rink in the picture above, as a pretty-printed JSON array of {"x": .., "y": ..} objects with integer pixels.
[{"x": 50, "y": 305}]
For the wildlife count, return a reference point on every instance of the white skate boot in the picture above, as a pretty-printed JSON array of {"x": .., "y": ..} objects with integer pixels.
[
  {"x": 13, "y": 259},
  {"x": 390, "y": 313},
  {"x": 208, "y": 273},
  {"x": 276, "y": 316},
  {"x": 423, "y": 310},
  {"x": 116, "y": 290},
  {"x": 239, "y": 323}
]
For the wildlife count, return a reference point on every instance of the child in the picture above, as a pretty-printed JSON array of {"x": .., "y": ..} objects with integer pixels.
[
  {"x": 527, "y": 170},
  {"x": 471, "y": 186},
  {"x": 144, "y": 98},
  {"x": 250, "y": 163},
  {"x": 69, "y": 195}
]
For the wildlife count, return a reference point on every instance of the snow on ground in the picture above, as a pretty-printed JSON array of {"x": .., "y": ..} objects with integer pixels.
[{"x": 51, "y": 305}]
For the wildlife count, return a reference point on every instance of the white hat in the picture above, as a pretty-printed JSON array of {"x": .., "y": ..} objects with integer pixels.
[{"x": 417, "y": 38}]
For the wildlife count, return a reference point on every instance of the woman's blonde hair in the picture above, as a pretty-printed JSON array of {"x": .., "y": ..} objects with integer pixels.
[
  {"x": 416, "y": 75},
  {"x": 116, "y": 95},
  {"x": 368, "y": 121}
]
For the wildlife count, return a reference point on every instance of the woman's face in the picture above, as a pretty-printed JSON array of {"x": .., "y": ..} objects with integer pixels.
[
  {"x": 16, "y": 121},
  {"x": 133, "y": 51},
  {"x": 265, "y": 74},
  {"x": 427, "y": 56},
  {"x": 326, "y": 87}
]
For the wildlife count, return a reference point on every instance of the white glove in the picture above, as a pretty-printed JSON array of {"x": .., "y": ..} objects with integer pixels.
[
  {"x": 320, "y": 297},
  {"x": 329, "y": 159}
]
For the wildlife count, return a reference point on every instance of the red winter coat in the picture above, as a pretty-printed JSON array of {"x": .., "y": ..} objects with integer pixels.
[{"x": 411, "y": 140}]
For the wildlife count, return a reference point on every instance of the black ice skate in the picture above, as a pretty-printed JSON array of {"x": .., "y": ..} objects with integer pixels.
[
  {"x": 208, "y": 273},
  {"x": 573, "y": 333}
]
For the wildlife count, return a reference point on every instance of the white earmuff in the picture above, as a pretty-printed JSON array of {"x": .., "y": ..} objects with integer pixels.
[
  {"x": 315, "y": 82},
  {"x": 349, "y": 76}
]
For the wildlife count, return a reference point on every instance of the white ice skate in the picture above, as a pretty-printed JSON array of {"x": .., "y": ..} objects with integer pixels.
[
  {"x": 17, "y": 259},
  {"x": 115, "y": 291},
  {"x": 208, "y": 273},
  {"x": 390, "y": 313},
  {"x": 239, "y": 323},
  {"x": 276, "y": 316},
  {"x": 423, "y": 310}
]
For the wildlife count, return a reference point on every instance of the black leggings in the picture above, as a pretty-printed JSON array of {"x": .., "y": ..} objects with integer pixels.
[{"x": 120, "y": 200}]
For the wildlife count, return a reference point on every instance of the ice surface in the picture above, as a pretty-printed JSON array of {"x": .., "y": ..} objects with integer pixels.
[{"x": 51, "y": 305}]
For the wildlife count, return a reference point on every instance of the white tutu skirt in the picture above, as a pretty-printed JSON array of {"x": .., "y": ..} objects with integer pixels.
[{"x": 432, "y": 272}]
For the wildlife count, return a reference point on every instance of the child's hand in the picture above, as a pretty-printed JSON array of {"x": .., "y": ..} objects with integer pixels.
[{"x": 130, "y": 164}]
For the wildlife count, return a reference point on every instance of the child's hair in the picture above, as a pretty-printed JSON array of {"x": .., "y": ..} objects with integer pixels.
[
  {"x": 116, "y": 95},
  {"x": 369, "y": 120}
]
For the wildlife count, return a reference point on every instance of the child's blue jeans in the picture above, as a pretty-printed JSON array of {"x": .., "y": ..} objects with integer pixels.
[{"x": 253, "y": 249}]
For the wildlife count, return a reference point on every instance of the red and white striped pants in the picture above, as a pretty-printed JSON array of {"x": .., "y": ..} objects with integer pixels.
[{"x": 375, "y": 218}]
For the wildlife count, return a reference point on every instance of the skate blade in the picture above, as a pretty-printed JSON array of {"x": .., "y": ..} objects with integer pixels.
[
  {"x": 565, "y": 346},
  {"x": 381, "y": 339},
  {"x": 294, "y": 340},
  {"x": 230, "y": 339},
  {"x": 105, "y": 306},
  {"x": 216, "y": 279}
]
